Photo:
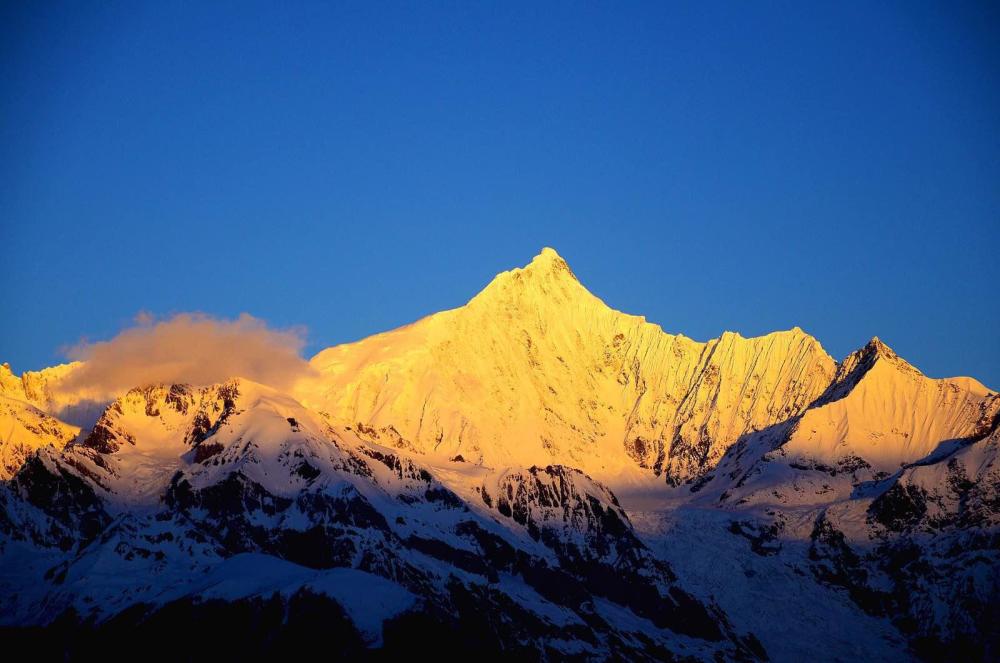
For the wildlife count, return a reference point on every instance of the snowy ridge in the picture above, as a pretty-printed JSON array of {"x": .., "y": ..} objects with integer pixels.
[
  {"x": 903, "y": 518},
  {"x": 23, "y": 430},
  {"x": 278, "y": 482},
  {"x": 532, "y": 473},
  {"x": 26, "y": 419},
  {"x": 536, "y": 370}
]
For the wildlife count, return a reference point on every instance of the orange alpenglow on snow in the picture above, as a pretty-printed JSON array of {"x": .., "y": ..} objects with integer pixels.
[
  {"x": 536, "y": 370},
  {"x": 530, "y": 441}
]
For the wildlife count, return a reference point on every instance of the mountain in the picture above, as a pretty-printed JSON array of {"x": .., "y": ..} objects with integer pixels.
[
  {"x": 24, "y": 427},
  {"x": 887, "y": 488},
  {"x": 878, "y": 415},
  {"x": 919, "y": 546},
  {"x": 23, "y": 430},
  {"x": 532, "y": 474},
  {"x": 183, "y": 497},
  {"x": 48, "y": 392},
  {"x": 535, "y": 369},
  {"x": 37, "y": 387},
  {"x": 883, "y": 410}
]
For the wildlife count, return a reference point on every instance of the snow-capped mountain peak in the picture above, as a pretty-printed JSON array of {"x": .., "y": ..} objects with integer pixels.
[
  {"x": 480, "y": 471},
  {"x": 546, "y": 283}
]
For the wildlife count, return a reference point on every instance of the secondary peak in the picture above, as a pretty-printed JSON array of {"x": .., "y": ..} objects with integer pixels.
[{"x": 876, "y": 348}]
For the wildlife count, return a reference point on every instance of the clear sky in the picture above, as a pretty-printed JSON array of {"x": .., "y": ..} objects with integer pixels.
[{"x": 351, "y": 167}]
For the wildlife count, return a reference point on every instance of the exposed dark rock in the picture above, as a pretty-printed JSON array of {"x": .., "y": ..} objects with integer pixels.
[{"x": 899, "y": 508}]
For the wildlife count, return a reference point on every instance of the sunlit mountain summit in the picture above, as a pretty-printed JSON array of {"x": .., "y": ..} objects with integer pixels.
[
  {"x": 531, "y": 472},
  {"x": 535, "y": 369}
]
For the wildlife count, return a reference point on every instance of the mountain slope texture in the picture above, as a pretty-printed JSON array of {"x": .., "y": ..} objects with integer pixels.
[{"x": 533, "y": 474}]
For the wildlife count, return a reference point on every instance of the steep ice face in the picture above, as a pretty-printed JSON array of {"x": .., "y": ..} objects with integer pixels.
[{"x": 536, "y": 370}]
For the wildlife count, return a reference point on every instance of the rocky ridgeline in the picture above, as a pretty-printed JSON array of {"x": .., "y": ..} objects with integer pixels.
[{"x": 550, "y": 562}]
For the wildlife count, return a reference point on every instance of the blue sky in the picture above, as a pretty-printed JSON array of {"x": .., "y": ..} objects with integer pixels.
[{"x": 352, "y": 167}]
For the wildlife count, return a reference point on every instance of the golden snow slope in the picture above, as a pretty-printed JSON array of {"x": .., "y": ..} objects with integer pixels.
[
  {"x": 25, "y": 424},
  {"x": 23, "y": 429},
  {"x": 535, "y": 370},
  {"x": 888, "y": 413},
  {"x": 37, "y": 387}
]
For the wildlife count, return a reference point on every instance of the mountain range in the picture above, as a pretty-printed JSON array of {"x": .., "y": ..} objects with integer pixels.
[{"x": 533, "y": 473}]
